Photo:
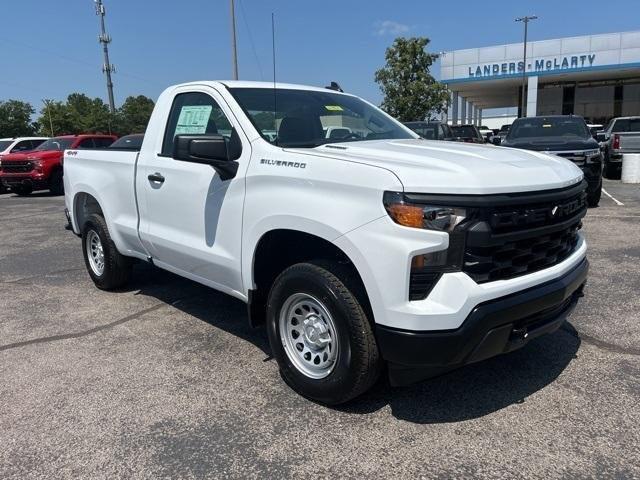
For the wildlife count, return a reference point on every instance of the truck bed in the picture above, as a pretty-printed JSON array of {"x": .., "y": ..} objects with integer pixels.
[{"x": 109, "y": 176}]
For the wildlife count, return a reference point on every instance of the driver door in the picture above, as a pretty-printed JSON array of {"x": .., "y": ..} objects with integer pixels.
[{"x": 190, "y": 219}]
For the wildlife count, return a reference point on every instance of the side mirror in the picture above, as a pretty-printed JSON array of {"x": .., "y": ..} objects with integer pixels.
[
  {"x": 211, "y": 150},
  {"x": 601, "y": 136},
  {"x": 497, "y": 140}
]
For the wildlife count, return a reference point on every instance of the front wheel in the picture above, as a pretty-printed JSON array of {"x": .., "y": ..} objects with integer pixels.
[
  {"x": 56, "y": 186},
  {"x": 319, "y": 333},
  {"x": 106, "y": 266},
  {"x": 593, "y": 198}
]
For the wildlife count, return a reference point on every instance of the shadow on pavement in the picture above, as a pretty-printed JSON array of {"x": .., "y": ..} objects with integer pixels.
[
  {"x": 206, "y": 304},
  {"x": 470, "y": 392}
]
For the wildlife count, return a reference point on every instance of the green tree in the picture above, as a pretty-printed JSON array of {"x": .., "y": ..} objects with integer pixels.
[
  {"x": 15, "y": 119},
  {"x": 55, "y": 114},
  {"x": 133, "y": 116},
  {"x": 88, "y": 115},
  {"x": 410, "y": 91}
]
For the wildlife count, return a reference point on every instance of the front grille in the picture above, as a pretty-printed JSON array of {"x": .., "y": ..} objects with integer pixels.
[
  {"x": 521, "y": 238},
  {"x": 579, "y": 158},
  {"x": 16, "y": 167}
]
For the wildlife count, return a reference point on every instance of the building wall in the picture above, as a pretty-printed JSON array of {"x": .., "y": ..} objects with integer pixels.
[{"x": 546, "y": 57}]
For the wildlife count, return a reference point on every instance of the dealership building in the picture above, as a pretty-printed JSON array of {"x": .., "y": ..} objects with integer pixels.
[{"x": 596, "y": 76}]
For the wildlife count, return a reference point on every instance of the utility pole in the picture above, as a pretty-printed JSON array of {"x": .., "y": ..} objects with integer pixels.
[
  {"x": 105, "y": 40},
  {"x": 525, "y": 20},
  {"x": 48, "y": 107},
  {"x": 234, "y": 50}
]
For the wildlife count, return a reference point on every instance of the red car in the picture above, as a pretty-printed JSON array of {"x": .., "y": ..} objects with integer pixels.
[{"x": 41, "y": 169}]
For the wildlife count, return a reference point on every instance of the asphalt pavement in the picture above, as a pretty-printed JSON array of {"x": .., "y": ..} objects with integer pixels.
[{"x": 165, "y": 379}]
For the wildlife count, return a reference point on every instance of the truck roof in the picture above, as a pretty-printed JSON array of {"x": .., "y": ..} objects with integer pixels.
[
  {"x": 86, "y": 135},
  {"x": 251, "y": 84},
  {"x": 23, "y": 138}
]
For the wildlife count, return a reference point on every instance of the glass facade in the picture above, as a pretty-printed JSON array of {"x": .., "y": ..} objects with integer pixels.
[{"x": 597, "y": 102}]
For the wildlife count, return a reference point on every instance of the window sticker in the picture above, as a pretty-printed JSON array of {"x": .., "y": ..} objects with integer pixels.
[
  {"x": 193, "y": 119},
  {"x": 333, "y": 108}
]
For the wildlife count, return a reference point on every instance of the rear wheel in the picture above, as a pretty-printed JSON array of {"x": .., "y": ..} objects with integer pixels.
[
  {"x": 21, "y": 190},
  {"x": 56, "y": 183},
  {"x": 320, "y": 335},
  {"x": 106, "y": 266}
]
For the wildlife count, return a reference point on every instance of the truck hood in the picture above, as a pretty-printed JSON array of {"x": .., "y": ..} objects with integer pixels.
[
  {"x": 554, "y": 144},
  {"x": 32, "y": 155},
  {"x": 424, "y": 166}
]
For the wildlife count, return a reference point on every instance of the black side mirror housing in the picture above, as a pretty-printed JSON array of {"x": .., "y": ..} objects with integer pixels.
[
  {"x": 601, "y": 137},
  {"x": 497, "y": 140},
  {"x": 211, "y": 150}
]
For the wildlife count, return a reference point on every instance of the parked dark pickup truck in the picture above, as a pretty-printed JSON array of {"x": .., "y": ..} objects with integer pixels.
[{"x": 566, "y": 136}]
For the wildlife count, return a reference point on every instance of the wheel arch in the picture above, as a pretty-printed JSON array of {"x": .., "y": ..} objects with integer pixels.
[{"x": 280, "y": 248}]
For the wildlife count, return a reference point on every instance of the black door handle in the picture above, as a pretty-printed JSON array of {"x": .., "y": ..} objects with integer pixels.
[{"x": 156, "y": 177}]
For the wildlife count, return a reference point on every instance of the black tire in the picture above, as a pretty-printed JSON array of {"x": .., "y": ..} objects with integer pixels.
[
  {"x": 117, "y": 267},
  {"x": 56, "y": 183},
  {"x": 593, "y": 198},
  {"x": 22, "y": 190},
  {"x": 358, "y": 363},
  {"x": 611, "y": 171}
]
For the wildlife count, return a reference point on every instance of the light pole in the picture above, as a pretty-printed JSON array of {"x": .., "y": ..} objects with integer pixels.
[
  {"x": 234, "y": 50},
  {"x": 526, "y": 21},
  {"x": 46, "y": 104}
]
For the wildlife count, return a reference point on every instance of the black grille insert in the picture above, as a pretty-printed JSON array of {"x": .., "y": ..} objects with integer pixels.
[
  {"x": 16, "y": 167},
  {"x": 514, "y": 240}
]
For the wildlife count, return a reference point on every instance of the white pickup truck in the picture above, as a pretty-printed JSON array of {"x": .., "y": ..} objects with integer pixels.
[{"x": 376, "y": 248}]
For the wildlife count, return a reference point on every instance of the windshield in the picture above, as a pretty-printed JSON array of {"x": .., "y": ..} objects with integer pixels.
[
  {"x": 548, "y": 127},
  {"x": 5, "y": 144},
  {"x": 464, "y": 131},
  {"x": 55, "y": 144},
  {"x": 307, "y": 118}
]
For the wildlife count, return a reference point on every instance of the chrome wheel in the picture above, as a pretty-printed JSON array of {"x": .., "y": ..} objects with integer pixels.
[
  {"x": 95, "y": 253},
  {"x": 308, "y": 335}
]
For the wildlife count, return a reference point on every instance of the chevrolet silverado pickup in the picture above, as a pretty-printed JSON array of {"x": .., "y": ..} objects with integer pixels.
[
  {"x": 622, "y": 135},
  {"x": 41, "y": 168},
  {"x": 376, "y": 249}
]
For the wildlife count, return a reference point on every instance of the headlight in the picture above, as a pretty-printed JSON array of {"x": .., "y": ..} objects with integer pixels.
[
  {"x": 430, "y": 217},
  {"x": 592, "y": 153}
]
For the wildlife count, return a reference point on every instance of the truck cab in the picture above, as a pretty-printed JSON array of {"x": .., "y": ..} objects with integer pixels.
[
  {"x": 41, "y": 168},
  {"x": 354, "y": 252}
]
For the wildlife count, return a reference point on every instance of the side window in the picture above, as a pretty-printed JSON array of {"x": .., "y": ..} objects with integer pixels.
[
  {"x": 36, "y": 143},
  {"x": 102, "y": 142},
  {"x": 86, "y": 143},
  {"x": 194, "y": 113},
  {"x": 22, "y": 146}
]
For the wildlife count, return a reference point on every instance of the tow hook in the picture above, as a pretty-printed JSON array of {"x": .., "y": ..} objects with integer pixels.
[{"x": 519, "y": 334}]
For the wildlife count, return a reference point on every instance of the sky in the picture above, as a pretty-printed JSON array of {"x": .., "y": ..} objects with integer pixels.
[{"x": 49, "y": 49}]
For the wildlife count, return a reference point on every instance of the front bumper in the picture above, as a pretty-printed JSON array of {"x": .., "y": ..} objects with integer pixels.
[
  {"x": 493, "y": 327},
  {"x": 36, "y": 182}
]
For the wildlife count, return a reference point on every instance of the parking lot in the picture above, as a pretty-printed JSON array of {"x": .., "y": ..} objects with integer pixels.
[{"x": 166, "y": 378}]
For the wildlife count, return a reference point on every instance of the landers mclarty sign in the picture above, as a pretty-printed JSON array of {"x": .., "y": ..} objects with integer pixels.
[{"x": 537, "y": 65}]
